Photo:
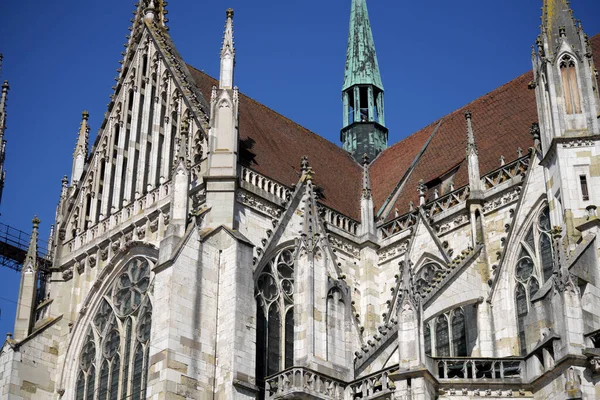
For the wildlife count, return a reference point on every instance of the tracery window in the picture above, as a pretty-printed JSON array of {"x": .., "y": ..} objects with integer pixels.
[
  {"x": 535, "y": 265},
  {"x": 568, "y": 72},
  {"x": 113, "y": 362},
  {"x": 275, "y": 322},
  {"x": 449, "y": 333},
  {"x": 442, "y": 337}
]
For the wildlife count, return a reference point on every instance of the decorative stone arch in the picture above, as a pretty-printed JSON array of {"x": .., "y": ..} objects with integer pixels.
[
  {"x": 529, "y": 264},
  {"x": 103, "y": 293},
  {"x": 429, "y": 268},
  {"x": 567, "y": 63},
  {"x": 274, "y": 281}
]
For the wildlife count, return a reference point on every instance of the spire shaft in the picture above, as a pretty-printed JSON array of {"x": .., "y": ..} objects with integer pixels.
[
  {"x": 558, "y": 22},
  {"x": 363, "y": 130},
  {"x": 227, "y": 54},
  {"x": 472, "y": 157},
  {"x": 362, "y": 67},
  {"x": 81, "y": 148}
]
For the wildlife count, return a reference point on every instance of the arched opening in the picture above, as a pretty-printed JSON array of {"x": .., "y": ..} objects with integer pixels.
[
  {"x": 442, "y": 339},
  {"x": 275, "y": 316},
  {"x": 122, "y": 332},
  {"x": 568, "y": 72}
]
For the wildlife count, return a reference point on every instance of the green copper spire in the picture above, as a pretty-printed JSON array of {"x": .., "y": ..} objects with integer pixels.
[
  {"x": 364, "y": 131},
  {"x": 361, "y": 60}
]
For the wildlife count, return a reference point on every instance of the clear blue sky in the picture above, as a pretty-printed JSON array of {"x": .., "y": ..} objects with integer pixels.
[{"x": 60, "y": 58}]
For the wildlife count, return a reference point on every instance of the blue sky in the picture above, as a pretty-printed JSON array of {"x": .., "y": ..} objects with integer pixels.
[{"x": 60, "y": 58}]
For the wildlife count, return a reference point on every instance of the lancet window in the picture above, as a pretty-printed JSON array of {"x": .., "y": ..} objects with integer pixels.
[
  {"x": 113, "y": 362},
  {"x": 534, "y": 265},
  {"x": 275, "y": 322},
  {"x": 447, "y": 334},
  {"x": 568, "y": 72}
]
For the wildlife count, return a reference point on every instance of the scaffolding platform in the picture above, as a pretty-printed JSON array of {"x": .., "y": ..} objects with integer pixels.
[{"x": 13, "y": 249}]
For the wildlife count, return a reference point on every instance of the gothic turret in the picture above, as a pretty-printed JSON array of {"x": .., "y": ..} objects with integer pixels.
[
  {"x": 364, "y": 130},
  {"x": 81, "y": 149},
  {"x": 223, "y": 138},
  {"x": 568, "y": 108},
  {"x": 28, "y": 289}
]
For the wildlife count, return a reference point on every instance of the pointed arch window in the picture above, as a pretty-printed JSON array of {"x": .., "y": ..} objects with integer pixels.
[
  {"x": 568, "y": 72},
  {"x": 534, "y": 265},
  {"x": 114, "y": 357},
  {"x": 442, "y": 337},
  {"x": 459, "y": 334},
  {"x": 275, "y": 320}
]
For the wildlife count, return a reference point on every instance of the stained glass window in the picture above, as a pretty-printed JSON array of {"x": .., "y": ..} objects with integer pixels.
[
  {"x": 459, "y": 334},
  {"x": 121, "y": 374},
  {"x": 427, "y": 338},
  {"x": 442, "y": 345},
  {"x": 534, "y": 265},
  {"x": 275, "y": 317},
  {"x": 522, "y": 310}
]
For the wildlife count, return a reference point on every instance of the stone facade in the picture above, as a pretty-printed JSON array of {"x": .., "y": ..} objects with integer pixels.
[{"x": 181, "y": 270}]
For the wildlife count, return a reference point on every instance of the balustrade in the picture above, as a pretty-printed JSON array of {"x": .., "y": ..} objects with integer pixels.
[
  {"x": 475, "y": 369},
  {"x": 303, "y": 380},
  {"x": 268, "y": 185}
]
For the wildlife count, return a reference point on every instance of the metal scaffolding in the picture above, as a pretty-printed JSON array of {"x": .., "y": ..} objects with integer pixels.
[{"x": 13, "y": 249}]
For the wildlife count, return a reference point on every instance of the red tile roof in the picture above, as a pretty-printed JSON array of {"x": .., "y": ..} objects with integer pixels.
[
  {"x": 273, "y": 145},
  {"x": 501, "y": 121}
]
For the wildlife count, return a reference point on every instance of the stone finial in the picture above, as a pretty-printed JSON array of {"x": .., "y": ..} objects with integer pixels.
[
  {"x": 502, "y": 161},
  {"x": 150, "y": 11},
  {"x": 304, "y": 165},
  {"x": 520, "y": 152},
  {"x": 36, "y": 222},
  {"x": 535, "y": 132},
  {"x": 471, "y": 146},
  {"x": 422, "y": 189},
  {"x": 411, "y": 206},
  {"x": 229, "y": 13}
]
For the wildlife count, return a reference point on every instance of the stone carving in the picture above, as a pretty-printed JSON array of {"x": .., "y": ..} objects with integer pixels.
[
  {"x": 394, "y": 251},
  {"x": 453, "y": 223},
  {"x": 141, "y": 232},
  {"x": 595, "y": 364},
  {"x": 79, "y": 267},
  {"x": 500, "y": 201},
  {"x": 67, "y": 274},
  {"x": 92, "y": 261},
  {"x": 578, "y": 143},
  {"x": 259, "y": 204},
  {"x": 344, "y": 245},
  {"x": 104, "y": 254},
  {"x": 154, "y": 226}
]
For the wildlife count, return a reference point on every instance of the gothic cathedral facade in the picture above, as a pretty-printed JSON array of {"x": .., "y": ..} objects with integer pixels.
[{"x": 190, "y": 261}]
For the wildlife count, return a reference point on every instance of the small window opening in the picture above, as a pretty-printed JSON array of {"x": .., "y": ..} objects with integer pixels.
[
  {"x": 350, "y": 110},
  {"x": 584, "y": 188},
  {"x": 364, "y": 104}
]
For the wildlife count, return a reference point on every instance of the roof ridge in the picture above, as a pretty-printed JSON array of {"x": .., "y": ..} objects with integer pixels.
[{"x": 285, "y": 118}]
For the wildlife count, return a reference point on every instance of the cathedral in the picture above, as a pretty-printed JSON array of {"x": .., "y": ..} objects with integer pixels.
[{"x": 205, "y": 248}]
